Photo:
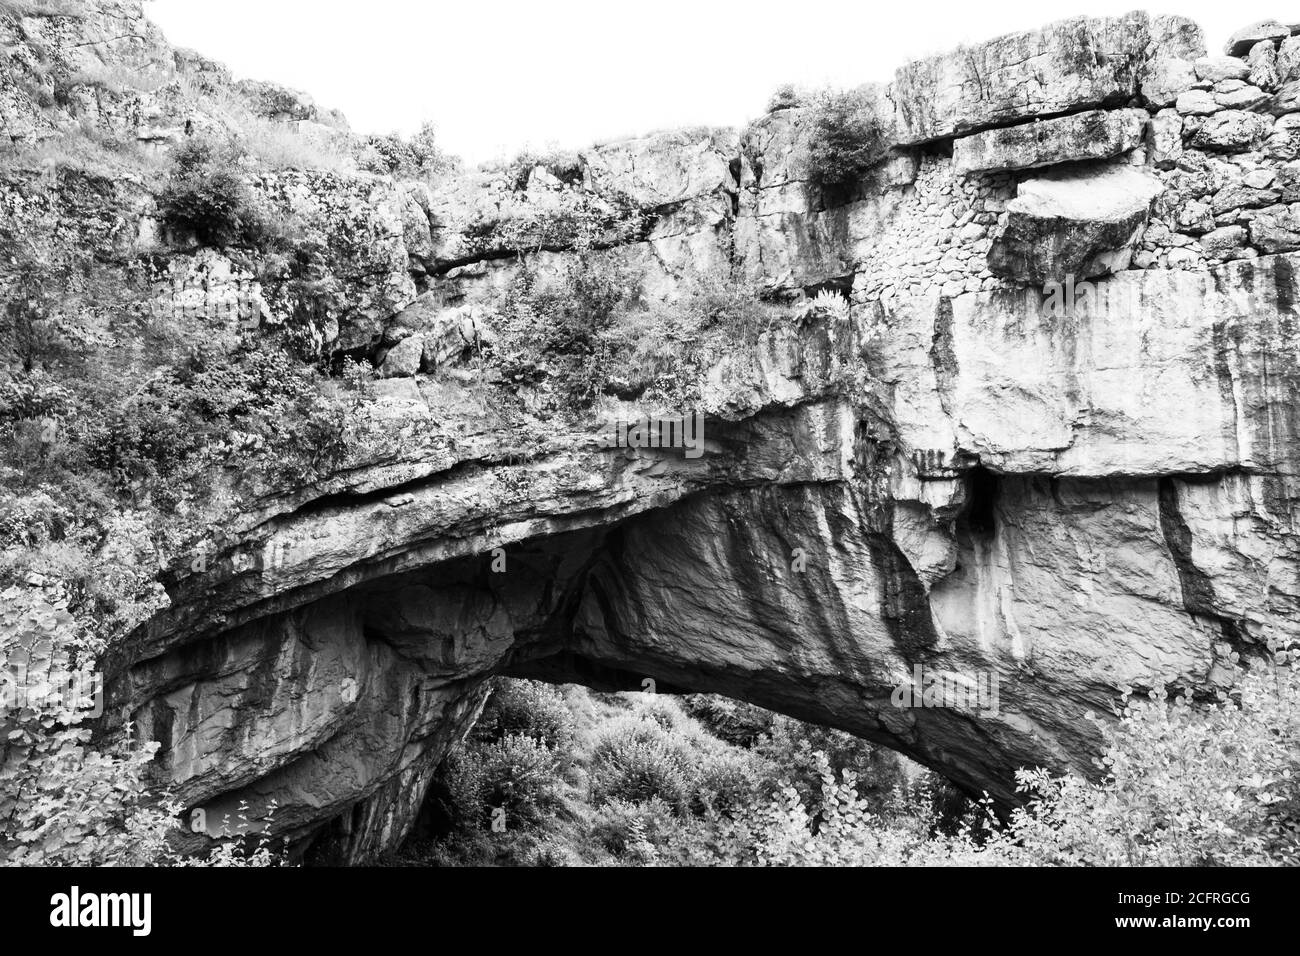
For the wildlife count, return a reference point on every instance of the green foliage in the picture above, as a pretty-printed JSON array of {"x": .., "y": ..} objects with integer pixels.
[
  {"x": 84, "y": 149},
  {"x": 637, "y": 759},
  {"x": 1185, "y": 785},
  {"x": 283, "y": 145},
  {"x": 845, "y": 138},
  {"x": 63, "y": 803},
  {"x": 558, "y": 218},
  {"x": 530, "y": 709},
  {"x": 35, "y": 395},
  {"x": 206, "y": 194},
  {"x": 417, "y": 158},
  {"x": 124, "y": 434},
  {"x": 255, "y": 404},
  {"x": 634, "y": 830},
  {"x": 564, "y": 166},
  {"x": 550, "y": 326},
  {"x": 582, "y": 330},
  {"x": 800, "y": 748},
  {"x": 657, "y": 752},
  {"x": 513, "y": 760},
  {"x": 733, "y": 721},
  {"x": 661, "y": 352},
  {"x": 37, "y": 322},
  {"x": 518, "y": 774}
]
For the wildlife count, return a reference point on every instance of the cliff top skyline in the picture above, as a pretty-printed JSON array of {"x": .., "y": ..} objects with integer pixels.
[{"x": 607, "y": 75}]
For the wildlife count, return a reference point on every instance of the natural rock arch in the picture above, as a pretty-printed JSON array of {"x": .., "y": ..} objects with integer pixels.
[
  {"x": 334, "y": 669},
  {"x": 975, "y": 473}
]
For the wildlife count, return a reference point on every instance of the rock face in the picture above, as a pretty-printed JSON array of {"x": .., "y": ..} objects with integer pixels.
[
  {"x": 1068, "y": 66},
  {"x": 1046, "y": 432},
  {"x": 1080, "y": 222}
]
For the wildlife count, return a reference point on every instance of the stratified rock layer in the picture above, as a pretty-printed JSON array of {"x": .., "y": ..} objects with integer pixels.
[{"x": 1096, "y": 134}]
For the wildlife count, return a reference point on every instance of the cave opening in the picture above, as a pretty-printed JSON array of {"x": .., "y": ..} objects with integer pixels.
[{"x": 982, "y": 492}]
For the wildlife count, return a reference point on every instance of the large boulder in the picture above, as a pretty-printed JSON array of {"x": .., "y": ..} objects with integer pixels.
[
  {"x": 1096, "y": 134},
  {"x": 445, "y": 333},
  {"x": 404, "y": 358},
  {"x": 1174, "y": 44},
  {"x": 1080, "y": 221},
  {"x": 1212, "y": 69}
]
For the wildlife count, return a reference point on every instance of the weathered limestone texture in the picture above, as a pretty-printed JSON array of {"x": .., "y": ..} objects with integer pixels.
[{"x": 1038, "y": 422}]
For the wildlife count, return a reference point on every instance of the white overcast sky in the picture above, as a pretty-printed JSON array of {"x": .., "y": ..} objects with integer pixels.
[{"x": 498, "y": 75}]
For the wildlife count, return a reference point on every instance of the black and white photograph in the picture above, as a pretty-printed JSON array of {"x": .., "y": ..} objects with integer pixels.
[{"x": 440, "y": 440}]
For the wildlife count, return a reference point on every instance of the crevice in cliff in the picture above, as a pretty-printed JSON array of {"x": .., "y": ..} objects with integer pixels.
[
  {"x": 904, "y": 601},
  {"x": 1196, "y": 586},
  {"x": 943, "y": 355},
  {"x": 945, "y": 141}
]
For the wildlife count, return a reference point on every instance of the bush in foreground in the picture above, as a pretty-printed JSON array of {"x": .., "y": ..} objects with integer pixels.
[{"x": 1184, "y": 785}]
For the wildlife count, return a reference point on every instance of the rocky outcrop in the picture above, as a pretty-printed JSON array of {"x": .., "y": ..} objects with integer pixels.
[
  {"x": 1248, "y": 38},
  {"x": 1037, "y": 423},
  {"x": 1130, "y": 522},
  {"x": 1069, "y": 66}
]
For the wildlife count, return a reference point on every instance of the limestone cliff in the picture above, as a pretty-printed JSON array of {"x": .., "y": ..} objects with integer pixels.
[{"x": 1038, "y": 421}]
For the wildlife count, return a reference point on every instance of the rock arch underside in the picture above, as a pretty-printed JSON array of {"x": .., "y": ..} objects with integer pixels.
[{"x": 1075, "y": 496}]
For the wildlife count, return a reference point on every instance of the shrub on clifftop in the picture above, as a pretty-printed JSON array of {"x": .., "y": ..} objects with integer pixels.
[{"x": 846, "y": 138}]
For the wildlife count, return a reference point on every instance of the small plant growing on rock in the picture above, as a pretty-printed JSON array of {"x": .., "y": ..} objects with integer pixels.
[{"x": 206, "y": 195}]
